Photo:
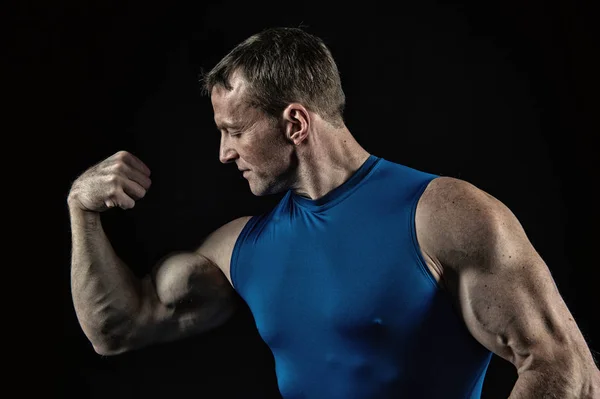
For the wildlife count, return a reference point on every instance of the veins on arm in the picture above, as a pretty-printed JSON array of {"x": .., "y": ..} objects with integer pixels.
[{"x": 500, "y": 285}]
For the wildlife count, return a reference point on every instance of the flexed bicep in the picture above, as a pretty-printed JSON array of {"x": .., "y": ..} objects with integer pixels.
[{"x": 185, "y": 294}]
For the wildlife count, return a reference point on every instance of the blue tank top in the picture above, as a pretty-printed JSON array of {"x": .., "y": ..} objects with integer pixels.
[{"x": 341, "y": 294}]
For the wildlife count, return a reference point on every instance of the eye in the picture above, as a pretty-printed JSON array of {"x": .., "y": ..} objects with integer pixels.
[{"x": 234, "y": 134}]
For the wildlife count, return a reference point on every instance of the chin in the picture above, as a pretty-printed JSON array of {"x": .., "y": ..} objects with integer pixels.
[
  {"x": 264, "y": 190},
  {"x": 260, "y": 192}
]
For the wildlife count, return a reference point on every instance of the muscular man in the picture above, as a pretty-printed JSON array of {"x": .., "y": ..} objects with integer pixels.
[{"x": 369, "y": 279}]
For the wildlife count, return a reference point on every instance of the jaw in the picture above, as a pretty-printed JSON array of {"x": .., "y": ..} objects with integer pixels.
[{"x": 261, "y": 187}]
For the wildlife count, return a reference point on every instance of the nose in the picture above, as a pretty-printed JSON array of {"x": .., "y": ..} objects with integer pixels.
[{"x": 227, "y": 153}]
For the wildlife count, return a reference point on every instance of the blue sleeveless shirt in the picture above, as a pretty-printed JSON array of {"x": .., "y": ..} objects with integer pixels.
[{"x": 341, "y": 294}]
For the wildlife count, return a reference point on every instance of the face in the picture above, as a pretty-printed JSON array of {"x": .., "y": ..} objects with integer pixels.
[{"x": 256, "y": 143}]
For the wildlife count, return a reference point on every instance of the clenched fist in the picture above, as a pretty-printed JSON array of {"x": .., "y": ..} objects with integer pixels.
[{"x": 117, "y": 181}]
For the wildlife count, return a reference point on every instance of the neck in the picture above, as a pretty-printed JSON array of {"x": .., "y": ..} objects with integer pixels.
[{"x": 326, "y": 159}]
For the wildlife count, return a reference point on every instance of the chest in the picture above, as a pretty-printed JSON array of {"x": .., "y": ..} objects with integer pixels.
[{"x": 342, "y": 286}]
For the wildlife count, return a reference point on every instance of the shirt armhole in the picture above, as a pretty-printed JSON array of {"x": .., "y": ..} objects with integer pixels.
[
  {"x": 413, "y": 232},
  {"x": 233, "y": 266}
]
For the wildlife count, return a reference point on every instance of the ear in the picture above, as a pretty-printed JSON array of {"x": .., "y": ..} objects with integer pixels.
[{"x": 297, "y": 122}]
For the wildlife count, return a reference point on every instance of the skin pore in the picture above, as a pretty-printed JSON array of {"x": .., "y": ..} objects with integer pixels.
[{"x": 300, "y": 151}]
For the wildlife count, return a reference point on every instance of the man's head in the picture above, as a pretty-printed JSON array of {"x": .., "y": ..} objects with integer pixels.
[
  {"x": 282, "y": 66},
  {"x": 265, "y": 95}
]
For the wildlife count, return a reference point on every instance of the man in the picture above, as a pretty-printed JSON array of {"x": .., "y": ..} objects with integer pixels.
[{"x": 369, "y": 279}]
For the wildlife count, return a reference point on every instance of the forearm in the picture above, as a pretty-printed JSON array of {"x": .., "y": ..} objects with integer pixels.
[
  {"x": 556, "y": 384},
  {"x": 105, "y": 292}
]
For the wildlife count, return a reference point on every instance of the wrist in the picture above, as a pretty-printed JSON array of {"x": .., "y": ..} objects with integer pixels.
[
  {"x": 74, "y": 203},
  {"x": 79, "y": 214}
]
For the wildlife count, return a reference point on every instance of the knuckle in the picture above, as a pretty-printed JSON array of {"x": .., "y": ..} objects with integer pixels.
[
  {"x": 119, "y": 166},
  {"x": 120, "y": 156},
  {"x": 112, "y": 192}
]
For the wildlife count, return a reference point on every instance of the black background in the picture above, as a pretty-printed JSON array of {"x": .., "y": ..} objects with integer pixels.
[{"x": 501, "y": 94}]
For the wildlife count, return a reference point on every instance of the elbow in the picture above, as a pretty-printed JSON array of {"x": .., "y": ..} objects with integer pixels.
[
  {"x": 108, "y": 341},
  {"x": 104, "y": 350},
  {"x": 108, "y": 346},
  {"x": 111, "y": 336},
  {"x": 568, "y": 374},
  {"x": 107, "y": 328}
]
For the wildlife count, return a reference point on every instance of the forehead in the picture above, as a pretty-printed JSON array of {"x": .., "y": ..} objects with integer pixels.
[{"x": 230, "y": 105}]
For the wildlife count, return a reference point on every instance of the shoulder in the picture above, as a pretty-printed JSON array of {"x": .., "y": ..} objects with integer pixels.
[
  {"x": 218, "y": 245},
  {"x": 446, "y": 198},
  {"x": 455, "y": 221},
  {"x": 443, "y": 188}
]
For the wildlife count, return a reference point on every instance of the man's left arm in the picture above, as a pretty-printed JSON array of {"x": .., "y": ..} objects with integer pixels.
[{"x": 504, "y": 291}]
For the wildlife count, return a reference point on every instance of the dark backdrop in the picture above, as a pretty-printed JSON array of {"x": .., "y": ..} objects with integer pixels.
[{"x": 500, "y": 95}]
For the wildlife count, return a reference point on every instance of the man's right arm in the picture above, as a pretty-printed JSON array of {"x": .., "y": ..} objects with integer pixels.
[{"x": 186, "y": 293}]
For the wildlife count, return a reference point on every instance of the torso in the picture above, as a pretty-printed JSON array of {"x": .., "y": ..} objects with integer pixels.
[
  {"x": 326, "y": 290},
  {"x": 219, "y": 245},
  {"x": 219, "y": 248}
]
